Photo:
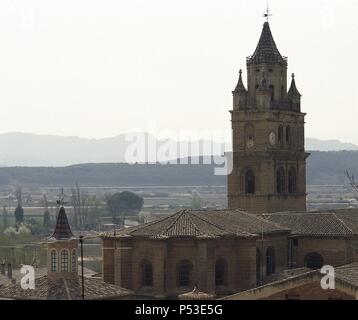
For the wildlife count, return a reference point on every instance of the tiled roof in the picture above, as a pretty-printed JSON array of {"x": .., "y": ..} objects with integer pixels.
[
  {"x": 349, "y": 217},
  {"x": 202, "y": 224},
  {"x": 39, "y": 272},
  {"x": 329, "y": 224},
  {"x": 266, "y": 50},
  {"x": 348, "y": 273},
  {"x": 63, "y": 289},
  {"x": 62, "y": 228}
]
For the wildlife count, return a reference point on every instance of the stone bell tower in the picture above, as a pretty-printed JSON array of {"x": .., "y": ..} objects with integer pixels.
[
  {"x": 62, "y": 250},
  {"x": 269, "y": 159}
]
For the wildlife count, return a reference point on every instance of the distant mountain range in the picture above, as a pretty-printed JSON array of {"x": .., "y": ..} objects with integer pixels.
[
  {"x": 24, "y": 149},
  {"x": 323, "y": 168},
  {"x": 313, "y": 144}
]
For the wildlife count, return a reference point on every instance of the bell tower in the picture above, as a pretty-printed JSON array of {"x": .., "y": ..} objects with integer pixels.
[
  {"x": 62, "y": 250},
  {"x": 269, "y": 159}
]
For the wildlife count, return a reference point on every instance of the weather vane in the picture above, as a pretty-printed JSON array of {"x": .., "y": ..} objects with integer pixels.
[
  {"x": 267, "y": 13},
  {"x": 61, "y": 197}
]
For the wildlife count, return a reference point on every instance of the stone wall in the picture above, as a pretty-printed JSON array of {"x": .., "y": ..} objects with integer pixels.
[{"x": 123, "y": 261}]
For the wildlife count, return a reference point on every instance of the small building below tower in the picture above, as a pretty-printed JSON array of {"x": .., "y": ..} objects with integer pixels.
[{"x": 61, "y": 280}]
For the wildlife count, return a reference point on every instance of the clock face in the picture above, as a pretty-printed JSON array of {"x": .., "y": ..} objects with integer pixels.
[{"x": 272, "y": 138}]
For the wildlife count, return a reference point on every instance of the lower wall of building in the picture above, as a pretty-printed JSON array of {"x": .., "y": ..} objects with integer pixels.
[
  {"x": 123, "y": 261},
  {"x": 335, "y": 252}
]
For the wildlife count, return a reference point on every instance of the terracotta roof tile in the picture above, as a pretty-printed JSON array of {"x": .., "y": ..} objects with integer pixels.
[
  {"x": 315, "y": 223},
  {"x": 202, "y": 224},
  {"x": 63, "y": 289}
]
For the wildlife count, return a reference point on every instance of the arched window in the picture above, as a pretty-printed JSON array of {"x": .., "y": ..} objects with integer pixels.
[
  {"x": 147, "y": 274},
  {"x": 272, "y": 90},
  {"x": 292, "y": 183},
  {"x": 249, "y": 182},
  {"x": 74, "y": 260},
  {"x": 64, "y": 261},
  {"x": 313, "y": 260},
  {"x": 184, "y": 272},
  {"x": 270, "y": 261},
  {"x": 221, "y": 273},
  {"x": 280, "y": 134},
  {"x": 258, "y": 267},
  {"x": 280, "y": 180},
  {"x": 282, "y": 92},
  {"x": 53, "y": 261},
  {"x": 288, "y": 134},
  {"x": 249, "y": 135}
]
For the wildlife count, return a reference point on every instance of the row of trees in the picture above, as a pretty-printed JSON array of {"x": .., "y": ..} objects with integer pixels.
[
  {"x": 87, "y": 209},
  {"x": 352, "y": 182}
]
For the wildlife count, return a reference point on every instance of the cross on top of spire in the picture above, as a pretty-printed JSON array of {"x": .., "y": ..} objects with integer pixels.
[
  {"x": 61, "y": 197},
  {"x": 267, "y": 13}
]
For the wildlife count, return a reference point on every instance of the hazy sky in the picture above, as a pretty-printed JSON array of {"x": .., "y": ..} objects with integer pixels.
[{"x": 100, "y": 68}]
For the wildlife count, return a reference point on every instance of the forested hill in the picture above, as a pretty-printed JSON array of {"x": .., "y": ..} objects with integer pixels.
[{"x": 322, "y": 168}]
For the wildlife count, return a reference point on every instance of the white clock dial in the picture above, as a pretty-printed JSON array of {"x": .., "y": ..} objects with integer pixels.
[{"x": 272, "y": 138}]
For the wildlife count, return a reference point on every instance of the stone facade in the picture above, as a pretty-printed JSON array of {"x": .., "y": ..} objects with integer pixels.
[
  {"x": 220, "y": 256},
  {"x": 334, "y": 251},
  {"x": 266, "y": 229},
  {"x": 269, "y": 160},
  {"x": 239, "y": 258},
  {"x": 225, "y": 251}
]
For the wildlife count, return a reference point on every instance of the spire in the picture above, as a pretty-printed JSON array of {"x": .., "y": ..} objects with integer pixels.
[
  {"x": 62, "y": 229},
  {"x": 266, "y": 50},
  {"x": 240, "y": 85},
  {"x": 293, "y": 92}
]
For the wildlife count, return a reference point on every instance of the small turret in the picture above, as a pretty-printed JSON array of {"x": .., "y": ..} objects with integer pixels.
[
  {"x": 294, "y": 96},
  {"x": 240, "y": 94}
]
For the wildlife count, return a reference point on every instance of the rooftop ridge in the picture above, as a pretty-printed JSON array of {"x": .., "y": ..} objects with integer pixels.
[
  {"x": 259, "y": 217},
  {"x": 145, "y": 225},
  {"x": 209, "y": 222},
  {"x": 344, "y": 224},
  {"x": 194, "y": 224},
  {"x": 180, "y": 214},
  {"x": 68, "y": 293}
]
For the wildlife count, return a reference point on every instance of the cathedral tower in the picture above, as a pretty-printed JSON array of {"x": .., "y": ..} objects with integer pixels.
[{"x": 269, "y": 159}]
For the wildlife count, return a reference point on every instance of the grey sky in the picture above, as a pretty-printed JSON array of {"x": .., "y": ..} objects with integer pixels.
[{"x": 99, "y": 68}]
